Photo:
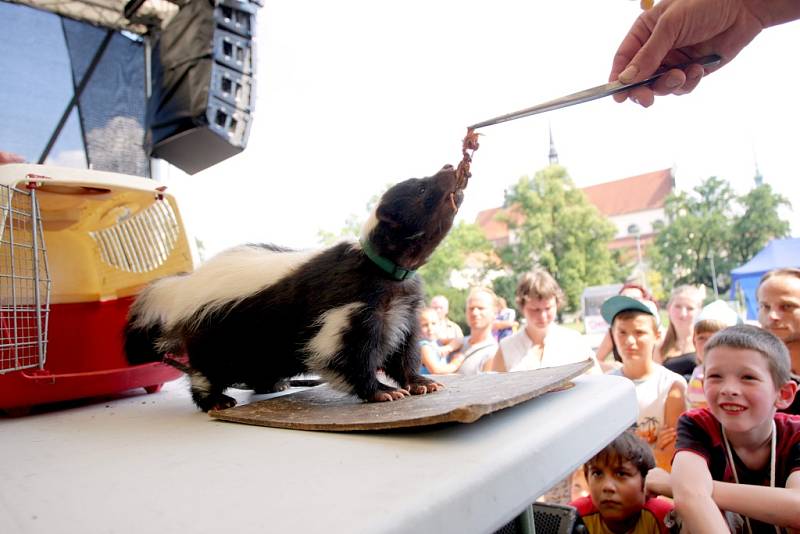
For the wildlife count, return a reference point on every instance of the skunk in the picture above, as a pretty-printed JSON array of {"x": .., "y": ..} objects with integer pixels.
[{"x": 260, "y": 314}]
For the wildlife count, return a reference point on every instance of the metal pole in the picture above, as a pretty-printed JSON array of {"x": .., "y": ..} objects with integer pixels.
[
  {"x": 714, "y": 276},
  {"x": 638, "y": 252},
  {"x": 37, "y": 295},
  {"x": 77, "y": 94}
]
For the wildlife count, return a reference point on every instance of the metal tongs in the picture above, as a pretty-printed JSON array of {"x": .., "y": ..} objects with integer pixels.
[{"x": 594, "y": 93}]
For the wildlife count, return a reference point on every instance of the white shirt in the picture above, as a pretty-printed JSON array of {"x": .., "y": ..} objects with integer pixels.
[
  {"x": 651, "y": 394},
  {"x": 561, "y": 346}
]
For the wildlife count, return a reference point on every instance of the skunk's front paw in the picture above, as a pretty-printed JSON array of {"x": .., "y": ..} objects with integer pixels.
[
  {"x": 421, "y": 386},
  {"x": 216, "y": 402},
  {"x": 387, "y": 393}
]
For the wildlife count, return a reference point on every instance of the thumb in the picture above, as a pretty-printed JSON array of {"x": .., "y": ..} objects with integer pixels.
[{"x": 650, "y": 56}]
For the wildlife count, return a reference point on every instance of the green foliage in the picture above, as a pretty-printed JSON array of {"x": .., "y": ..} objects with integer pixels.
[
  {"x": 561, "y": 231},
  {"x": 714, "y": 227},
  {"x": 506, "y": 287},
  {"x": 352, "y": 226},
  {"x": 759, "y": 223},
  {"x": 464, "y": 241}
]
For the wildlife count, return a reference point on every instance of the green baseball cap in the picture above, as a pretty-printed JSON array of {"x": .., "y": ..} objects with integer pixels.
[{"x": 620, "y": 303}]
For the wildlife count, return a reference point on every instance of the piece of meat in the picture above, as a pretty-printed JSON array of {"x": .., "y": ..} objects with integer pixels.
[{"x": 468, "y": 147}]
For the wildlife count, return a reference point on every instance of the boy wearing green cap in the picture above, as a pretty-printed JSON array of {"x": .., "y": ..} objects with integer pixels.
[{"x": 660, "y": 392}]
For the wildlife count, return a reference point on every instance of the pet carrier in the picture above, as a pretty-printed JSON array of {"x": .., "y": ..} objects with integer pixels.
[{"x": 75, "y": 247}]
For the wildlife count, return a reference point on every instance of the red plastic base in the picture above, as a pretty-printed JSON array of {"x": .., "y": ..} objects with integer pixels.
[{"x": 84, "y": 359}]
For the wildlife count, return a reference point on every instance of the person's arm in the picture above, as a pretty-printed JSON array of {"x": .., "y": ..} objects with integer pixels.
[
  {"x": 10, "y": 157},
  {"x": 496, "y": 363},
  {"x": 774, "y": 506},
  {"x": 503, "y": 324},
  {"x": 657, "y": 482},
  {"x": 605, "y": 348},
  {"x": 435, "y": 364},
  {"x": 677, "y": 31},
  {"x": 692, "y": 489},
  {"x": 674, "y": 406}
]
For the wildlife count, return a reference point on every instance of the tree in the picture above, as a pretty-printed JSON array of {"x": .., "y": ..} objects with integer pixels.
[
  {"x": 464, "y": 242},
  {"x": 711, "y": 231},
  {"x": 698, "y": 227},
  {"x": 352, "y": 226},
  {"x": 759, "y": 223},
  {"x": 557, "y": 228}
]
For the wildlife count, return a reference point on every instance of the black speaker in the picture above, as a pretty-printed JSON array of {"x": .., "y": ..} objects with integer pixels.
[{"x": 203, "y": 84}]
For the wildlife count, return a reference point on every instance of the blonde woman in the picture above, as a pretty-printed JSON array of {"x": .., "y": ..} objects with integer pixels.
[{"x": 676, "y": 352}]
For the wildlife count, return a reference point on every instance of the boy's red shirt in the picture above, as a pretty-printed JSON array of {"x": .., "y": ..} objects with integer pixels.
[
  {"x": 701, "y": 433},
  {"x": 651, "y": 520}
]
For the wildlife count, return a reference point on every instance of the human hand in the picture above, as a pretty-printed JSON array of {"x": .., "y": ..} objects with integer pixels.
[
  {"x": 679, "y": 31},
  {"x": 657, "y": 482},
  {"x": 666, "y": 437},
  {"x": 10, "y": 157}
]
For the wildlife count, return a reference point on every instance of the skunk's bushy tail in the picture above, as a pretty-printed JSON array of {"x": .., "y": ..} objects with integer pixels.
[
  {"x": 141, "y": 341},
  {"x": 145, "y": 339}
]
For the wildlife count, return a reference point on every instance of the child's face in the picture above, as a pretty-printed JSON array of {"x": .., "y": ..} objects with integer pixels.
[
  {"x": 739, "y": 389},
  {"x": 635, "y": 337},
  {"x": 617, "y": 490},
  {"x": 428, "y": 323},
  {"x": 699, "y": 341}
]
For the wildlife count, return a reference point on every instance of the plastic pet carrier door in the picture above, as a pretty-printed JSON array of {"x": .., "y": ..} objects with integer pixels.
[{"x": 24, "y": 281}]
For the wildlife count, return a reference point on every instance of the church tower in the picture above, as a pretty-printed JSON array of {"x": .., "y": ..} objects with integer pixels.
[{"x": 553, "y": 156}]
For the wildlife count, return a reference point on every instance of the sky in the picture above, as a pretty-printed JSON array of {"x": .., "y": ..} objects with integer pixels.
[{"x": 355, "y": 95}]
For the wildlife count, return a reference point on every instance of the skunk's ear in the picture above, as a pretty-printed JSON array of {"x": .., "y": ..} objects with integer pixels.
[{"x": 387, "y": 215}]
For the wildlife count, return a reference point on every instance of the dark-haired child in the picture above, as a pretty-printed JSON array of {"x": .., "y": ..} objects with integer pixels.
[{"x": 617, "y": 502}]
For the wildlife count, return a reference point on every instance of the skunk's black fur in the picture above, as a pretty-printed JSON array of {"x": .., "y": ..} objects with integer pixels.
[{"x": 260, "y": 314}]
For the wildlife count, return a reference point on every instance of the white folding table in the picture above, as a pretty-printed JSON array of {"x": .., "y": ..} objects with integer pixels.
[{"x": 153, "y": 463}]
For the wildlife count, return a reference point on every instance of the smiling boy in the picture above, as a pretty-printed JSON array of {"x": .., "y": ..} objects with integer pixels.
[
  {"x": 617, "y": 502},
  {"x": 738, "y": 454}
]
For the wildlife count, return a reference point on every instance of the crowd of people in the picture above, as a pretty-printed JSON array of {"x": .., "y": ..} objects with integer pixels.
[{"x": 702, "y": 375}]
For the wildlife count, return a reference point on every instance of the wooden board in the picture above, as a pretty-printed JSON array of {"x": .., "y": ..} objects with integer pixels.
[{"x": 464, "y": 400}]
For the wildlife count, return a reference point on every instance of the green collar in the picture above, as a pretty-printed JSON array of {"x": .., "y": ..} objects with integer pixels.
[{"x": 394, "y": 270}]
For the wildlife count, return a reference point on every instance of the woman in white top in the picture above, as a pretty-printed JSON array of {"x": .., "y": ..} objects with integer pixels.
[{"x": 542, "y": 343}]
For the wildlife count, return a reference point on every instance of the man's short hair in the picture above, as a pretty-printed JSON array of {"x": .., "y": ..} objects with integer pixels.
[
  {"x": 749, "y": 337},
  {"x": 476, "y": 290},
  {"x": 626, "y": 447},
  {"x": 785, "y": 271},
  {"x": 540, "y": 285}
]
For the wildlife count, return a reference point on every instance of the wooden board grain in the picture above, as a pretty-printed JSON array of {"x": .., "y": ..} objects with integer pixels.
[{"x": 465, "y": 399}]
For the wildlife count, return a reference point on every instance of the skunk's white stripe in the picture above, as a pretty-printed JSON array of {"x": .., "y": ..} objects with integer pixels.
[
  {"x": 369, "y": 226},
  {"x": 227, "y": 277},
  {"x": 336, "y": 381},
  {"x": 328, "y": 341},
  {"x": 397, "y": 325}
]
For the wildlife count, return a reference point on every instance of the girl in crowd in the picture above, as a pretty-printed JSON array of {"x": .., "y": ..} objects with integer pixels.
[
  {"x": 433, "y": 359},
  {"x": 676, "y": 352}
]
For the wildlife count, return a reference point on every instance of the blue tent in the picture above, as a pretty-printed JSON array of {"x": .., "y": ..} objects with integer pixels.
[{"x": 778, "y": 253}]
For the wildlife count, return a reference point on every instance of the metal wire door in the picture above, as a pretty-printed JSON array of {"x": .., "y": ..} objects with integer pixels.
[{"x": 24, "y": 281}]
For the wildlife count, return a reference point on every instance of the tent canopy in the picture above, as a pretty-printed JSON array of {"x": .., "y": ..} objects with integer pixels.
[{"x": 777, "y": 254}]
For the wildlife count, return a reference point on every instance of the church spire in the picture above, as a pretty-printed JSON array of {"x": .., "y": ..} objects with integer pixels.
[
  {"x": 553, "y": 156},
  {"x": 758, "y": 178}
]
